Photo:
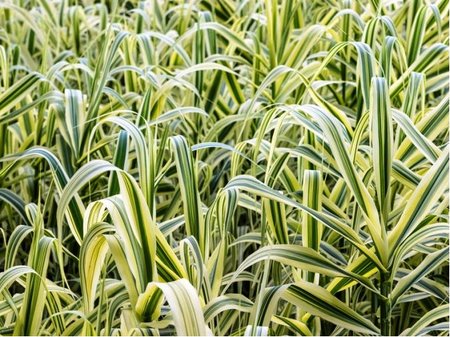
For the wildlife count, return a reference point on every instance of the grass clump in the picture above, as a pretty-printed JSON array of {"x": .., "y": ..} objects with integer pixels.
[{"x": 226, "y": 167}]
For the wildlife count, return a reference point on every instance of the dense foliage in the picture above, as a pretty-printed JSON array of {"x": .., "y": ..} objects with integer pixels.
[{"x": 224, "y": 167}]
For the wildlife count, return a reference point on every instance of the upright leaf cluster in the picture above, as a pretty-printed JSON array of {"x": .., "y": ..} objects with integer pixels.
[{"x": 229, "y": 167}]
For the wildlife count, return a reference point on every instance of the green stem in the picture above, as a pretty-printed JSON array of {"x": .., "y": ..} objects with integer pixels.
[{"x": 385, "y": 305}]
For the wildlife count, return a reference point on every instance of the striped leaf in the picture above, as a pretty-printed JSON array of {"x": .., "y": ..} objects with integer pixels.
[{"x": 320, "y": 302}]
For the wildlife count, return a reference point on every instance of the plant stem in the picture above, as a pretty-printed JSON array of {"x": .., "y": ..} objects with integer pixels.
[{"x": 385, "y": 305}]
